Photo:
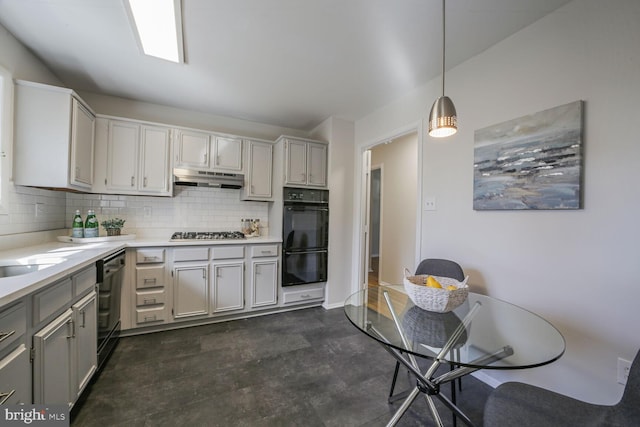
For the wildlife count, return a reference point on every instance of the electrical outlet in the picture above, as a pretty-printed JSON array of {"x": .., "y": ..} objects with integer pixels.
[
  {"x": 39, "y": 211},
  {"x": 147, "y": 212},
  {"x": 429, "y": 203},
  {"x": 623, "y": 370}
]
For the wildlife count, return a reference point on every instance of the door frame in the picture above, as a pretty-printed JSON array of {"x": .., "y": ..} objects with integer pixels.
[{"x": 360, "y": 234}]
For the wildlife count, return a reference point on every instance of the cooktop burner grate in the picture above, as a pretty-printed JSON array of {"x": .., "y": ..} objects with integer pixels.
[{"x": 207, "y": 235}]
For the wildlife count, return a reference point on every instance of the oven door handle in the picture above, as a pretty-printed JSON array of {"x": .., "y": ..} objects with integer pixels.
[
  {"x": 319, "y": 251},
  {"x": 298, "y": 208}
]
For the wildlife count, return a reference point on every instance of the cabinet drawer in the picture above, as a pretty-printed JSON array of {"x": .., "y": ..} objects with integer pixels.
[
  {"x": 13, "y": 324},
  {"x": 191, "y": 254},
  {"x": 149, "y": 277},
  {"x": 264, "y": 251},
  {"x": 150, "y": 298},
  {"x": 146, "y": 256},
  {"x": 84, "y": 281},
  {"x": 15, "y": 387},
  {"x": 52, "y": 299},
  {"x": 150, "y": 315},
  {"x": 302, "y": 296},
  {"x": 228, "y": 252}
]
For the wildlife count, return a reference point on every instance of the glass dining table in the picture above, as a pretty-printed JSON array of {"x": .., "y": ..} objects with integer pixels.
[{"x": 482, "y": 333}]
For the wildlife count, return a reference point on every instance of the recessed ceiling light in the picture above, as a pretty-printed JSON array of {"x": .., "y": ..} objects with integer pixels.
[{"x": 158, "y": 24}]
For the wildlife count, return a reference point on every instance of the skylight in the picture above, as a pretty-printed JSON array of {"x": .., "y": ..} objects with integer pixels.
[{"x": 159, "y": 27}]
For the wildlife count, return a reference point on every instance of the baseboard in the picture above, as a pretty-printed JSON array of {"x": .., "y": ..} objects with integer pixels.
[{"x": 487, "y": 379}]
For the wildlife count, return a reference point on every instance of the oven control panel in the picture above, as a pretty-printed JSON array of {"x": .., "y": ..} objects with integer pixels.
[{"x": 305, "y": 195}]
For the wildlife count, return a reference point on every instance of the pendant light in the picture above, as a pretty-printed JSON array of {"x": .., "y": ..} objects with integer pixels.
[{"x": 442, "y": 118}]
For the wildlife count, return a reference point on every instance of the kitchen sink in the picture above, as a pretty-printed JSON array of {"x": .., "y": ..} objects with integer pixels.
[{"x": 19, "y": 269}]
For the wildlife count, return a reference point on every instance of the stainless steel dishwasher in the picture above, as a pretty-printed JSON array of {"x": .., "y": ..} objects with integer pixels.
[{"x": 110, "y": 276}]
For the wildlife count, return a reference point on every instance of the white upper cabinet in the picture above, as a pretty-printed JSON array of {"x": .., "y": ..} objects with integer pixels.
[
  {"x": 192, "y": 149},
  {"x": 258, "y": 171},
  {"x": 132, "y": 158},
  {"x": 305, "y": 163},
  {"x": 227, "y": 153},
  {"x": 54, "y": 138},
  {"x": 201, "y": 150}
]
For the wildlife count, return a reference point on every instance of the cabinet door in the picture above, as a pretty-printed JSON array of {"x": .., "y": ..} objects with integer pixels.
[
  {"x": 296, "y": 163},
  {"x": 191, "y": 291},
  {"x": 259, "y": 171},
  {"x": 15, "y": 381},
  {"x": 154, "y": 164},
  {"x": 192, "y": 149},
  {"x": 317, "y": 164},
  {"x": 227, "y": 286},
  {"x": 52, "y": 361},
  {"x": 82, "y": 140},
  {"x": 85, "y": 317},
  {"x": 227, "y": 153},
  {"x": 122, "y": 155},
  {"x": 264, "y": 283}
]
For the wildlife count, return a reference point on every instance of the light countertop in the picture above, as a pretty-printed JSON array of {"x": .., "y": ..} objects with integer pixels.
[{"x": 66, "y": 257}]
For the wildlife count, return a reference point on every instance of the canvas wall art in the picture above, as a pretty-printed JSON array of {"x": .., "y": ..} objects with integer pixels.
[{"x": 533, "y": 162}]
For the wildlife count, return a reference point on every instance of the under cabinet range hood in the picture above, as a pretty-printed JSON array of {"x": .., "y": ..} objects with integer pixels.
[{"x": 201, "y": 178}]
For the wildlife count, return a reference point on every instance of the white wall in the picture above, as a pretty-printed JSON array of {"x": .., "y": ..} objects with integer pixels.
[
  {"x": 17, "y": 211},
  {"x": 578, "y": 269},
  {"x": 398, "y": 161},
  {"x": 340, "y": 135}
]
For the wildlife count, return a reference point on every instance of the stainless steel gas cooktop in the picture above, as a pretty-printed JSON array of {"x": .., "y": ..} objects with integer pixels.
[{"x": 207, "y": 235}]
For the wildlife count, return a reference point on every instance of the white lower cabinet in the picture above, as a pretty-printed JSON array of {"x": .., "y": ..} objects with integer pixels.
[
  {"x": 190, "y": 291},
  {"x": 264, "y": 283},
  {"x": 86, "y": 342},
  {"x": 227, "y": 284},
  {"x": 15, "y": 384},
  {"x": 65, "y": 354},
  {"x": 264, "y": 275},
  {"x": 52, "y": 363}
]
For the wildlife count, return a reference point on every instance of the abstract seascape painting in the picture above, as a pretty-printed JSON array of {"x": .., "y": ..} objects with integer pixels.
[{"x": 533, "y": 162}]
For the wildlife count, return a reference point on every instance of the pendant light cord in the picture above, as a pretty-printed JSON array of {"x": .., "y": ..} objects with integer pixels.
[{"x": 443, "y": 45}]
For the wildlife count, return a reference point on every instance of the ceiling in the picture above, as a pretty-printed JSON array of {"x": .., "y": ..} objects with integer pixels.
[{"x": 290, "y": 63}]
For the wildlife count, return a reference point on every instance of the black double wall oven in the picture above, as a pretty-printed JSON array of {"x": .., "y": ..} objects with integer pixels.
[{"x": 305, "y": 236}]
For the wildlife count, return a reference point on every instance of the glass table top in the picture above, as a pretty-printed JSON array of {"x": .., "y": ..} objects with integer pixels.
[{"x": 483, "y": 332}]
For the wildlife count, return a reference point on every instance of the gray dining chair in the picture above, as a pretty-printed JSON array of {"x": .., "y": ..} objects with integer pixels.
[
  {"x": 524, "y": 405},
  {"x": 443, "y": 268}
]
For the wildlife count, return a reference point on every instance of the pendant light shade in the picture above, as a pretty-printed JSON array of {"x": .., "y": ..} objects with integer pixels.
[{"x": 443, "y": 120}]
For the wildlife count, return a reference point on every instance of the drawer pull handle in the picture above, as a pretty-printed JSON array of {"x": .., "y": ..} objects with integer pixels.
[
  {"x": 149, "y": 318},
  {"x": 265, "y": 252},
  {"x": 150, "y": 280},
  {"x": 305, "y": 296},
  {"x": 149, "y": 301},
  {"x": 5, "y": 396},
  {"x": 150, "y": 258},
  {"x": 5, "y": 335}
]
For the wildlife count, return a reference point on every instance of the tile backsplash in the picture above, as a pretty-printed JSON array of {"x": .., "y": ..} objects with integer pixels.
[
  {"x": 26, "y": 210},
  {"x": 191, "y": 208}
]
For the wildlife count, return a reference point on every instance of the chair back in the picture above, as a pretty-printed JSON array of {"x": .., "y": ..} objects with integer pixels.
[
  {"x": 440, "y": 267},
  {"x": 628, "y": 405}
]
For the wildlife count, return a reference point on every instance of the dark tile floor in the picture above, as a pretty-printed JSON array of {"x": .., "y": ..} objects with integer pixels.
[{"x": 307, "y": 368}]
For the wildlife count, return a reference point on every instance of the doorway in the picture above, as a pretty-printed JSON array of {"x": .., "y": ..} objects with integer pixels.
[
  {"x": 391, "y": 203},
  {"x": 374, "y": 225}
]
